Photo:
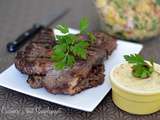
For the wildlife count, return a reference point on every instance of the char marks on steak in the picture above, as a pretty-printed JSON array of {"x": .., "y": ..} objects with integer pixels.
[
  {"x": 35, "y": 81},
  {"x": 35, "y": 61},
  {"x": 35, "y": 58}
]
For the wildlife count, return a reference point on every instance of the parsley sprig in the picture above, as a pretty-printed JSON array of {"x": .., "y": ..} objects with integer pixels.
[
  {"x": 71, "y": 47},
  {"x": 141, "y": 68}
]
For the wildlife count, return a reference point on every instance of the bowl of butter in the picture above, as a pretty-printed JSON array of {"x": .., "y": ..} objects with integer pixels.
[{"x": 136, "y": 86}]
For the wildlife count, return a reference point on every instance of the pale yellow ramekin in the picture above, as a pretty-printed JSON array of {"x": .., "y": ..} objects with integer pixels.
[{"x": 133, "y": 101}]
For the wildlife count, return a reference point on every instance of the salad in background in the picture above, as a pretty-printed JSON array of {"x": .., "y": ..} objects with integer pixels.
[{"x": 130, "y": 19}]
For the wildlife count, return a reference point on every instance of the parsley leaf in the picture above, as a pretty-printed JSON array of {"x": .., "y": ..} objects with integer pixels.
[
  {"x": 63, "y": 28},
  {"x": 62, "y": 47},
  {"x": 79, "y": 49},
  {"x": 134, "y": 59},
  {"x": 70, "y": 47},
  {"x": 141, "y": 68},
  {"x": 91, "y": 37},
  {"x": 83, "y": 25},
  {"x": 142, "y": 71},
  {"x": 60, "y": 65},
  {"x": 58, "y": 56},
  {"x": 70, "y": 60}
]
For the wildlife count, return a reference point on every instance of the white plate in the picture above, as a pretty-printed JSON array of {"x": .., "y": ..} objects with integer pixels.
[{"x": 86, "y": 100}]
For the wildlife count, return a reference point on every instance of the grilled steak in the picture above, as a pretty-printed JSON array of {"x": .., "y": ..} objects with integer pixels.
[
  {"x": 35, "y": 58},
  {"x": 35, "y": 61},
  {"x": 72, "y": 85},
  {"x": 94, "y": 78}
]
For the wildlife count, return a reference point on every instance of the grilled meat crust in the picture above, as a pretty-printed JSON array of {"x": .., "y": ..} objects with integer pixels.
[
  {"x": 35, "y": 61},
  {"x": 94, "y": 78},
  {"x": 76, "y": 85}
]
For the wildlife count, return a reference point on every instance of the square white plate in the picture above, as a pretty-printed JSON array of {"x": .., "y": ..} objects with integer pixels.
[{"x": 86, "y": 100}]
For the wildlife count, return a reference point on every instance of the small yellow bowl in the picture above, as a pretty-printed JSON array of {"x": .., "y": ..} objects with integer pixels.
[{"x": 134, "y": 101}]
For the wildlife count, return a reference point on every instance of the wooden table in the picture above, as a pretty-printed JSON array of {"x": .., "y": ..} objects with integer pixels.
[{"x": 18, "y": 15}]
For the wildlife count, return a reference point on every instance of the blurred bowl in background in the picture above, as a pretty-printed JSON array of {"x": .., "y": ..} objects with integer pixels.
[{"x": 135, "y": 20}]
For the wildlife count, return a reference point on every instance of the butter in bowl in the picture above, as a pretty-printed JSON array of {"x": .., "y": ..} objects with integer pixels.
[{"x": 136, "y": 85}]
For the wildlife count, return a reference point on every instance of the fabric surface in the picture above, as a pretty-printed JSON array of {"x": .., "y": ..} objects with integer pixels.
[{"x": 18, "y": 15}]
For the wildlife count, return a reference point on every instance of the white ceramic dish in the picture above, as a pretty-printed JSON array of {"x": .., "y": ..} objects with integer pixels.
[{"x": 86, "y": 100}]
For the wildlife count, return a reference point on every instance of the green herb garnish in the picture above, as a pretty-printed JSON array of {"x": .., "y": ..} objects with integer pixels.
[
  {"x": 141, "y": 68},
  {"x": 71, "y": 47}
]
